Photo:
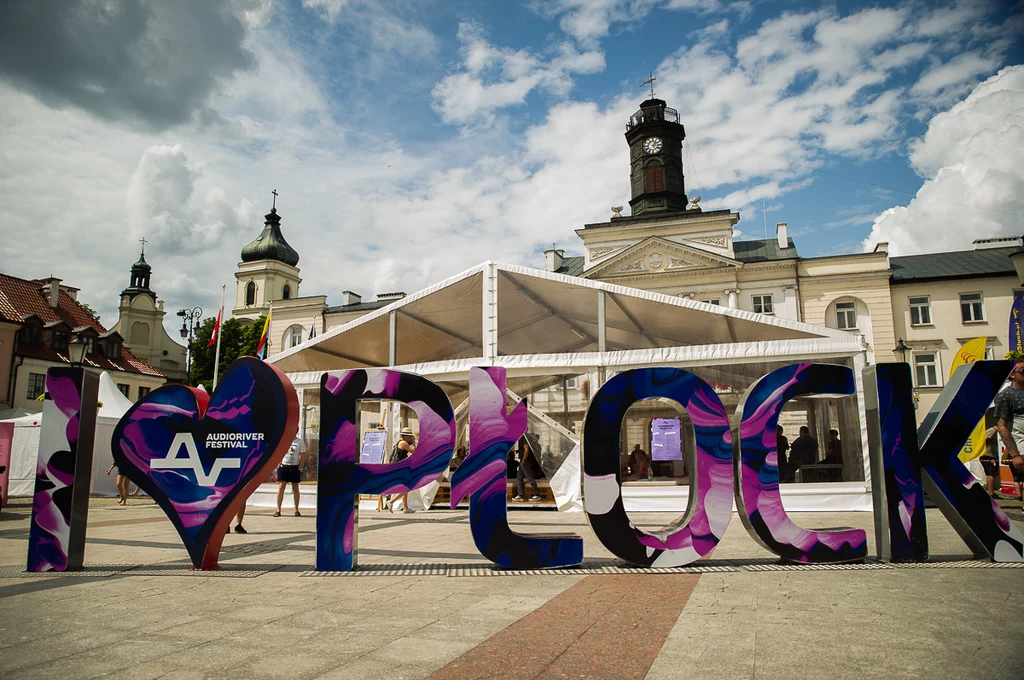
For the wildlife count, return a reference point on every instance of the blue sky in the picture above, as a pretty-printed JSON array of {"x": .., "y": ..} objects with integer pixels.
[{"x": 412, "y": 140}]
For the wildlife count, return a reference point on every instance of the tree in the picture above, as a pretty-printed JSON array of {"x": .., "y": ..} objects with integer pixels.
[
  {"x": 236, "y": 340},
  {"x": 90, "y": 310}
]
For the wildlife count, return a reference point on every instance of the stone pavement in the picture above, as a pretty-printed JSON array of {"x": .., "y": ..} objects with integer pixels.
[{"x": 425, "y": 604}]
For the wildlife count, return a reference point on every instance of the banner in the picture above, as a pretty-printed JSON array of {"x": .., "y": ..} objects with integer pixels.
[
  {"x": 6, "y": 443},
  {"x": 1016, "y": 343},
  {"x": 372, "y": 451},
  {"x": 969, "y": 353}
]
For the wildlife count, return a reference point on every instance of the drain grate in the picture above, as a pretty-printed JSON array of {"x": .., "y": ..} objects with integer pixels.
[
  {"x": 815, "y": 567},
  {"x": 91, "y": 571},
  {"x": 185, "y": 569},
  {"x": 959, "y": 564},
  {"x": 384, "y": 570}
]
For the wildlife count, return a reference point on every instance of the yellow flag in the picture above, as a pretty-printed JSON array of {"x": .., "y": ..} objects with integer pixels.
[{"x": 969, "y": 353}]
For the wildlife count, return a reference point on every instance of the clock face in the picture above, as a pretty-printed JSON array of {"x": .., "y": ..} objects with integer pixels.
[{"x": 652, "y": 145}]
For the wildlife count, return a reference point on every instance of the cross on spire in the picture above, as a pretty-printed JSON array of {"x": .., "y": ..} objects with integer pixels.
[
  {"x": 650, "y": 81},
  {"x": 143, "y": 242},
  {"x": 274, "y": 207}
]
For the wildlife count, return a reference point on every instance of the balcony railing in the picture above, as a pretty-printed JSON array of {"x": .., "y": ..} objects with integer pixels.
[{"x": 653, "y": 115}]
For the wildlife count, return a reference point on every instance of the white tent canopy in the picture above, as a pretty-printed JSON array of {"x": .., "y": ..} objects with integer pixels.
[{"x": 537, "y": 323}]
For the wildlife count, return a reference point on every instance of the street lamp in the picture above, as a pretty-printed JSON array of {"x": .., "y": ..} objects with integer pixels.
[
  {"x": 189, "y": 327},
  {"x": 76, "y": 350},
  {"x": 902, "y": 348}
]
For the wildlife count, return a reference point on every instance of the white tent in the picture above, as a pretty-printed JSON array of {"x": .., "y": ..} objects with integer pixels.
[
  {"x": 25, "y": 447},
  {"x": 541, "y": 326}
]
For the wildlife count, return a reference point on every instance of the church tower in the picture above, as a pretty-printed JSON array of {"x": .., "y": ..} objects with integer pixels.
[
  {"x": 268, "y": 271},
  {"x": 655, "y": 137},
  {"x": 141, "y": 323}
]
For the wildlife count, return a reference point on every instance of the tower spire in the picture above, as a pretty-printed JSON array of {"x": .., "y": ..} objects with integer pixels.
[
  {"x": 273, "y": 208},
  {"x": 650, "y": 81}
]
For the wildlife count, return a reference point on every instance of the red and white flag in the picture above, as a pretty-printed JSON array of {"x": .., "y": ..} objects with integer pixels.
[{"x": 216, "y": 328}]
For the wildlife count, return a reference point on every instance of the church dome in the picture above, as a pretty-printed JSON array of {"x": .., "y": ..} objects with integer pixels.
[{"x": 270, "y": 245}]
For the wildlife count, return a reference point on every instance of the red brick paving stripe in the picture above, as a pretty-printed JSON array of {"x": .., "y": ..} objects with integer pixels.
[{"x": 605, "y": 626}]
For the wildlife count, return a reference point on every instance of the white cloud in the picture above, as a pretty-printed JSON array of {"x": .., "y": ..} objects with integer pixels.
[
  {"x": 974, "y": 188},
  {"x": 494, "y": 77}
]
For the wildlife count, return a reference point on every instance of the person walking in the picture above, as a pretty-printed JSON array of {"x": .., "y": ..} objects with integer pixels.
[
  {"x": 782, "y": 446},
  {"x": 804, "y": 450},
  {"x": 288, "y": 473},
  {"x": 403, "y": 449},
  {"x": 527, "y": 461},
  {"x": 122, "y": 485},
  {"x": 1009, "y": 413}
]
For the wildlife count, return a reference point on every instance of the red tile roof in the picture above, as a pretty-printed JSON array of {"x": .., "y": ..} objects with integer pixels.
[{"x": 21, "y": 298}]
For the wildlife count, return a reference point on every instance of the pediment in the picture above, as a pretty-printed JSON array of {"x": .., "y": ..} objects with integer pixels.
[{"x": 655, "y": 255}]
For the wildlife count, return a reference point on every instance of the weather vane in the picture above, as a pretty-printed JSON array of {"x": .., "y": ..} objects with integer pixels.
[
  {"x": 274, "y": 206},
  {"x": 143, "y": 242},
  {"x": 650, "y": 81}
]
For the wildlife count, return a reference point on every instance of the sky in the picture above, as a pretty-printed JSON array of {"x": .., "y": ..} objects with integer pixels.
[{"x": 411, "y": 140}]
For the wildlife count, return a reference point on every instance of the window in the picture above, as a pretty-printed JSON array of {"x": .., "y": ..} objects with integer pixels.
[
  {"x": 36, "y": 385},
  {"x": 286, "y": 292},
  {"x": 763, "y": 304},
  {"x": 920, "y": 311},
  {"x": 653, "y": 177},
  {"x": 113, "y": 350},
  {"x": 90, "y": 345},
  {"x": 60, "y": 340},
  {"x": 143, "y": 391},
  {"x": 31, "y": 335},
  {"x": 250, "y": 294},
  {"x": 123, "y": 388},
  {"x": 713, "y": 301},
  {"x": 846, "y": 316},
  {"x": 971, "y": 307},
  {"x": 926, "y": 369},
  {"x": 293, "y": 336},
  {"x": 570, "y": 383}
]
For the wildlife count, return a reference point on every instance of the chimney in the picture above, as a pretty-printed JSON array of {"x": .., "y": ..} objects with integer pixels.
[
  {"x": 390, "y": 297},
  {"x": 350, "y": 298},
  {"x": 997, "y": 242},
  {"x": 783, "y": 236},
  {"x": 553, "y": 259},
  {"x": 51, "y": 288},
  {"x": 882, "y": 247}
]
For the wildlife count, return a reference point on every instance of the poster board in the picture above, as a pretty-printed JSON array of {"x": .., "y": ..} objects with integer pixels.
[
  {"x": 665, "y": 444},
  {"x": 372, "y": 450}
]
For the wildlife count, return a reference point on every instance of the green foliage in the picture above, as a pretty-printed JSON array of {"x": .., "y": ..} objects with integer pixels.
[
  {"x": 236, "y": 340},
  {"x": 90, "y": 310}
]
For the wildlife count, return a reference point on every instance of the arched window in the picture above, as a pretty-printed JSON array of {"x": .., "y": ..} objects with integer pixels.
[
  {"x": 250, "y": 294},
  {"x": 654, "y": 177},
  {"x": 286, "y": 292},
  {"x": 293, "y": 336}
]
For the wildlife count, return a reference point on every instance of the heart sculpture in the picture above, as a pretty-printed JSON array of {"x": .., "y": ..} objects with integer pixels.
[{"x": 201, "y": 457}]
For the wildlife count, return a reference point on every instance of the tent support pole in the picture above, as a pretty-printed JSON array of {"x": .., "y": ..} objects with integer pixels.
[
  {"x": 602, "y": 334},
  {"x": 490, "y": 313},
  {"x": 393, "y": 338}
]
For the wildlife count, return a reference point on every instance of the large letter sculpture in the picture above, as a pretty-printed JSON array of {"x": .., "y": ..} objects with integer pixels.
[
  {"x": 678, "y": 543},
  {"x": 757, "y": 471},
  {"x": 200, "y": 457},
  {"x": 482, "y": 476},
  {"x": 60, "y": 506},
  {"x": 900, "y": 452},
  {"x": 342, "y": 478}
]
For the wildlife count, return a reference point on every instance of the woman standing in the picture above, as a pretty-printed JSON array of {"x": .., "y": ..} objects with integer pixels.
[{"x": 403, "y": 449}]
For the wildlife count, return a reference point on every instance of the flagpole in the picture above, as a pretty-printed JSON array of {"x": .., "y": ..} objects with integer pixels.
[{"x": 216, "y": 354}]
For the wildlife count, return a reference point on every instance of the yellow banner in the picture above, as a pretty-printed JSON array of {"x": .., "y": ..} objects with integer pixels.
[{"x": 970, "y": 352}]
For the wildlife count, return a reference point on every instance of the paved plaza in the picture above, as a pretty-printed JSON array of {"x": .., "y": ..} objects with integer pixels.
[{"x": 426, "y": 604}]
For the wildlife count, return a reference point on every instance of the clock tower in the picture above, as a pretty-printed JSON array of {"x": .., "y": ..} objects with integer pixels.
[{"x": 655, "y": 137}]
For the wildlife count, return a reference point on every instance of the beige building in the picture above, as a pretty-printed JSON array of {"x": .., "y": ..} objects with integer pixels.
[
  {"x": 942, "y": 300},
  {"x": 141, "y": 323}
]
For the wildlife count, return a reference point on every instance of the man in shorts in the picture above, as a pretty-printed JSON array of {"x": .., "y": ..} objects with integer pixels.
[
  {"x": 1009, "y": 413},
  {"x": 288, "y": 473}
]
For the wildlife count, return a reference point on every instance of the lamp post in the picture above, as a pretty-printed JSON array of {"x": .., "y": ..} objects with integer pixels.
[
  {"x": 76, "y": 350},
  {"x": 189, "y": 327},
  {"x": 902, "y": 348}
]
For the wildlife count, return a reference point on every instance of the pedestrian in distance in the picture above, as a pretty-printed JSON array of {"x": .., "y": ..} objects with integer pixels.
[{"x": 289, "y": 473}]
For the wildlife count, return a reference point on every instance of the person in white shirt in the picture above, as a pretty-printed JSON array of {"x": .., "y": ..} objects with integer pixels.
[{"x": 288, "y": 473}]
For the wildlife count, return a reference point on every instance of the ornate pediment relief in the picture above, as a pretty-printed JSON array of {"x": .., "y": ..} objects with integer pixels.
[
  {"x": 655, "y": 255},
  {"x": 717, "y": 241}
]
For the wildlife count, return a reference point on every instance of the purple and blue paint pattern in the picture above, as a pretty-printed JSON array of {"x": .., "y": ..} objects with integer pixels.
[
  {"x": 199, "y": 457},
  {"x": 757, "y": 468},
  {"x": 679, "y": 543},
  {"x": 482, "y": 476},
  {"x": 961, "y": 498},
  {"x": 58, "y": 472},
  {"x": 342, "y": 478}
]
